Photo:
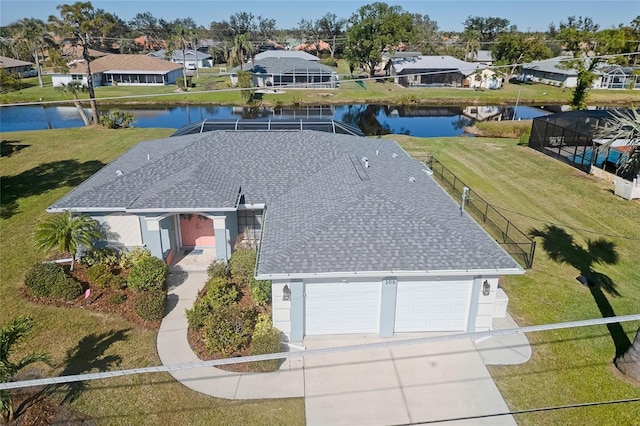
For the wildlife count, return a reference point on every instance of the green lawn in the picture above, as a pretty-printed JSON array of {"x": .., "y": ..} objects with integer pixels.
[
  {"x": 560, "y": 204},
  {"x": 215, "y": 89},
  {"x": 37, "y": 169}
]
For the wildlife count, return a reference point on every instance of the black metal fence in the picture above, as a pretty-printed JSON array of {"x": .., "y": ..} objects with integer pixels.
[{"x": 513, "y": 240}]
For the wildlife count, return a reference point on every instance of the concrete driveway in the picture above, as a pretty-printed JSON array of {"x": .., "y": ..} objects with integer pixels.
[{"x": 399, "y": 385}]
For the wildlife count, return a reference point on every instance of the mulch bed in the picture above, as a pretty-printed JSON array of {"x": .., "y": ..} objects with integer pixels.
[{"x": 98, "y": 300}]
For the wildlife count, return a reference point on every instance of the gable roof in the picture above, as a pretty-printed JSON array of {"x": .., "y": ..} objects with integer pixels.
[
  {"x": 327, "y": 212},
  {"x": 415, "y": 63},
  {"x": 284, "y": 66},
  {"x": 552, "y": 65},
  {"x": 6, "y": 62},
  {"x": 123, "y": 63},
  {"x": 286, "y": 54}
]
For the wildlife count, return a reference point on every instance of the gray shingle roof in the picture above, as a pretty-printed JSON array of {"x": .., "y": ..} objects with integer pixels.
[
  {"x": 326, "y": 212},
  {"x": 286, "y": 54},
  {"x": 412, "y": 63},
  {"x": 284, "y": 65}
]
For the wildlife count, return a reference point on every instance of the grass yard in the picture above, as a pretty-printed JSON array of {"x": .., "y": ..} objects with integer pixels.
[
  {"x": 38, "y": 168},
  {"x": 216, "y": 89},
  {"x": 566, "y": 209}
]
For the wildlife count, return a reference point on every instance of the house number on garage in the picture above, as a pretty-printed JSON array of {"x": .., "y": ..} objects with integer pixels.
[{"x": 389, "y": 281}]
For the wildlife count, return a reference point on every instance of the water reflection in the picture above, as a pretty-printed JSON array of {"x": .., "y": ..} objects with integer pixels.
[{"x": 370, "y": 118}]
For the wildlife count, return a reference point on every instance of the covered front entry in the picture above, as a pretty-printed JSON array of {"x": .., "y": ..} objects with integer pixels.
[
  {"x": 196, "y": 231},
  {"x": 341, "y": 308},
  {"x": 432, "y": 306}
]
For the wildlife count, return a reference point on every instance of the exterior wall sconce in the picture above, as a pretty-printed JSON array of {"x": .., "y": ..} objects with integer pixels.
[
  {"x": 286, "y": 293},
  {"x": 486, "y": 288}
]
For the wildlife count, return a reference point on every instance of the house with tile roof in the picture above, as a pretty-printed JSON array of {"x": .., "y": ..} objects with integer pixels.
[
  {"x": 274, "y": 71},
  {"x": 125, "y": 70},
  {"x": 354, "y": 234}
]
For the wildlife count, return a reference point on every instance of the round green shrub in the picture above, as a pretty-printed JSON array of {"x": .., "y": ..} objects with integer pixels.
[
  {"x": 220, "y": 291},
  {"x": 150, "y": 273},
  {"x": 219, "y": 268},
  {"x": 197, "y": 315},
  {"x": 149, "y": 305},
  {"x": 95, "y": 272},
  {"x": 66, "y": 290},
  {"x": 42, "y": 277},
  {"x": 132, "y": 257},
  {"x": 117, "y": 298},
  {"x": 228, "y": 329}
]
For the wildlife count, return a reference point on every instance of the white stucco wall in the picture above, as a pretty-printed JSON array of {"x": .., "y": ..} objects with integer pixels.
[{"x": 280, "y": 310}]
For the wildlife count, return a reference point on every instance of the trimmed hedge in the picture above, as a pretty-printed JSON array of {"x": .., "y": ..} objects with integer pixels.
[
  {"x": 260, "y": 291},
  {"x": 149, "y": 305},
  {"x": 219, "y": 268},
  {"x": 218, "y": 292},
  {"x": 43, "y": 277},
  {"x": 243, "y": 262},
  {"x": 150, "y": 273}
]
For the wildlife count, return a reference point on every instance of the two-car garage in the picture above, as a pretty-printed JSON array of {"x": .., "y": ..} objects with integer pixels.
[{"x": 359, "y": 307}]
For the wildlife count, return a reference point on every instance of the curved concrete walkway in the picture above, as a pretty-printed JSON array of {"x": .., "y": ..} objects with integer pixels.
[
  {"x": 173, "y": 348},
  {"x": 421, "y": 382}
]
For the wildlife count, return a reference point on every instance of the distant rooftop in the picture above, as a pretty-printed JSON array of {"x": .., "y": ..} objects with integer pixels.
[{"x": 322, "y": 125}]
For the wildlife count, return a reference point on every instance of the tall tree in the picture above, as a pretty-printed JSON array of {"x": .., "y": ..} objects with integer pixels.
[
  {"x": 375, "y": 28},
  {"x": 623, "y": 126},
  {"x": 10, "y": 334},
  {"x": 35, "y": 36},
  {"x": 330, "y": 28},
  {"x": 68, "y": 233},
  {"x": 488, "y": 28},
  {"x": 85, "y": 27},
  {"x": 429, "y": 42},
  {"x": 311, "y": 33},
  {"x": 242, "y": 48},
  {"x": 180, "y": 40},
  {"x": 513, "y": 48},
  {"x": 472, "y": 44}
]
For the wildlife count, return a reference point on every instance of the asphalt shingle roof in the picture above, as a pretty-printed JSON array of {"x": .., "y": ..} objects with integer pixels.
[
  {"x": 326, "y": 212},
  {"x": 433, "y": 63},
  {"x": 272, "y": 65}
]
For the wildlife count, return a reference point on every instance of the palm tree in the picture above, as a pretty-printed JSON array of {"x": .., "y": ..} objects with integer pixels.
[
  {"x": 67, "y": 233},
  {"x": 472, "y": 45},
  {"x": 180, "y": 40},
  {"x": 624, "y": 125},
  {"x": 35, "y": 37},
  {"x": 242, "y": 47},
  {"x": 75, "y": 87},
  {"x": 9, "y": 335}
]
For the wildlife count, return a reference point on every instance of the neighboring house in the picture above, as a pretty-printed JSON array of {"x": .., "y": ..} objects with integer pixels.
[
  {"x": 286, "y": 54},
  {"x": 316, "y": 47},
  {"x": 554, "y": 72},
  {"x": 72, "y": 52},
  {"x": 481, "y": 56},
  {"x": 619, "y": 77},
  {"x": 192, "y": 58},
  {"x": 440, "y": 71},
  {"x": 16, "y": 66},
  {"x": 355, "y": 235},
  {"x": 288, "y": 72},
  {"x": 126, "y": 70}
]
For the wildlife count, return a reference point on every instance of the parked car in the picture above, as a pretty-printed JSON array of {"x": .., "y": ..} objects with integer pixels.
[{"x": 191, "y": 67}]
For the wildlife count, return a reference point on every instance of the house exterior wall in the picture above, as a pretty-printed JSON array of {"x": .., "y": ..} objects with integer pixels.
[{"x": 57, "y": 80}]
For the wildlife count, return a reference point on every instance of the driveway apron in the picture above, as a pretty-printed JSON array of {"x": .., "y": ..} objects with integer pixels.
[{"x": 400, "y": 385}]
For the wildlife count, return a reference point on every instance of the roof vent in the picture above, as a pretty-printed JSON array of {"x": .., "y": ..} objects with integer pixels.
[
  {"x": 148, "y": 156},
  {"x": 428, "y": 171},
  {"x": 394, "y": 155},
  {"x": 365, "y": 160},
  {"x": 412, "y": 179},
  {"x": 119, "y": 173},
  {"x": 377, "y": 152}
]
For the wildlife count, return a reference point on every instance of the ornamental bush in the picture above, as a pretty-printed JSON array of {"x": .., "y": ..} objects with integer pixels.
[
  {"x": 228, "y": 329},
  {"x": 117, "y": 298},
  {"x": 243, "y": 263},
  {"x": 149, "y": 305},
  {"x": 108, "y": 256},
  {"x": 42, "y": 277},
  {"x": 150, "y": 273},
  {"x": 219, "y": 268},
  {"x": 266, "y": 340},
  {"x": 66, "y": 290},
  {"x": 219, "y": 292},
  {"x": 260, "y": 291},
  {"x": 129, "y": 258}
]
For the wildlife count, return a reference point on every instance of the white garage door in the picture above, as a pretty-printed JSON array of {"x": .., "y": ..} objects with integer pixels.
[
  {"x": 432, "y": 306},
  {"x": 123, "y": 229},
  {"x": 341, "y": 308}
]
